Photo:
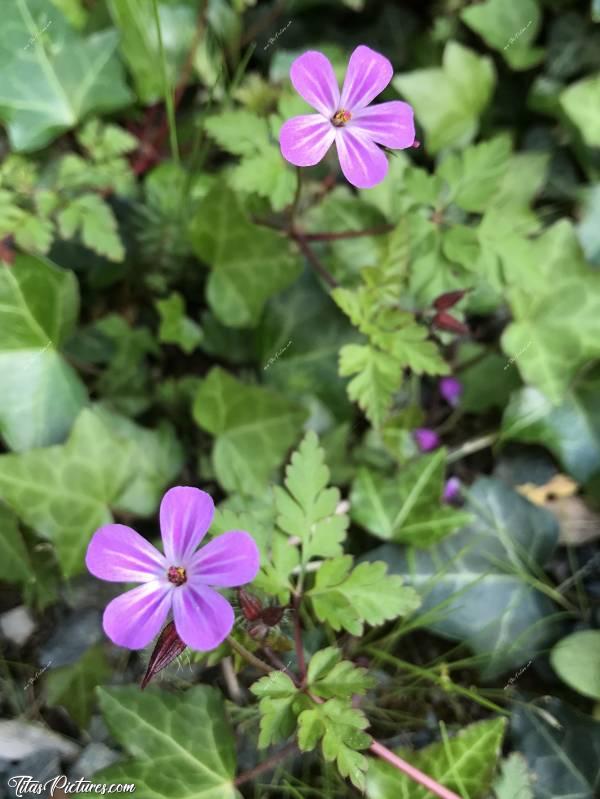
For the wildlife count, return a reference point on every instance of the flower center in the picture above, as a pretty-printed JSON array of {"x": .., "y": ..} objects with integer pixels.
[
  {"x": 177, "y": 575},
  {"x": 340, "y": 118}
]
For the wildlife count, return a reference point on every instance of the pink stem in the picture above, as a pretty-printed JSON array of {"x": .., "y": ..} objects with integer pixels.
[{"x": 427, "y": 782}]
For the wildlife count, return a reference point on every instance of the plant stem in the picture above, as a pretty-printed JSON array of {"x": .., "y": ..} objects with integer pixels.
[
  {"x": 469, "y": 447},
  {"x": 417, "y": 776},
  {"x": 296, "y": 200},
  {"x": 310, "y": 256},
  {"x": 348, "y": 234},
  {"x": 298, "y": 639},
  {"x": 266, "y": 765},
  {"x": 166, "y": 90},
  {"x": 248, "y": 656}
]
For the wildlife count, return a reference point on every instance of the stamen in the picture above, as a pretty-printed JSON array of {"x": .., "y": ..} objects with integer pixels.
[
  {"x": 340, "y": 118},
  {"x": 177, "y": 575}
]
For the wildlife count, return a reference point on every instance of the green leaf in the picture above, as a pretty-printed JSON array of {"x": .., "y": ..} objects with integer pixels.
[
  {"x": 254, "y": 428},
  {"x": 277, "y": 694},
  {"x": 331, "y": 677},
  {"x": 175, "y": 326},
  {"x": 571, "y": 430},
  {"x": 51, "y": 76},
  {"x": 341, "y": 728},
  {"x": 576, "y": 660},
  {"x": 15, "y": 566},
  {"x": 475, "y": 175},
  {"x": 139, "y": 42},
  {"x": 105, "y": 141},
  {"x": 73, "y": 686},
  {"x": 509, "y": 28},
  {"x": 449, "y": 100},
  {"x": 581, "y": 103},
  {"x": 478, "y": 579},
  {"x": 90, "y": 216},
  {"x": 488, "y": 382},
  {"x": 249, "y": 263},
  {"x": 63, "y": 492},
  {"x": 41, "y": 394},
  {"x": 377, "y": 377},
  {"x": 561, "y": 747},
  {"x": 307, "y": 508},
  {"x": 238, "y": 132},
  {"x": 464, "y": 763},
  {"x": 515, "y": 781},
  {"x": 177, "y": 742},
  {"x": 349, "y": 599},
  {"x": 408, "y": 507}
]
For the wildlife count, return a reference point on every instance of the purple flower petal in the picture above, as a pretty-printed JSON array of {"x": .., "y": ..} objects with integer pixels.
[
  {"x": 135, "y": 618},
  {"x": 450, "y": 389},
  {"x": 363, "y": 163},
  {"x": 367, "y": 76},
  {"x": 203, "y": 618},
  {"x": 426, "y": 439},
  {"x": 451, "y": 490},
  {"x": 228, "y": 560},
  {"x": 313, "y": 78},
  {"x": 119, "y": 554},
  {"x": 185, "y": 515},
  {"x": 391, "y": 124},
  {"x": 304, "y": 140}
]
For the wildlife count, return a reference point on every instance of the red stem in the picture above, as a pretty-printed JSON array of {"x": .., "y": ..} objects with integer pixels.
[
  {"x": 427, "y": 782},
  {"x": 310, "y": 256}
]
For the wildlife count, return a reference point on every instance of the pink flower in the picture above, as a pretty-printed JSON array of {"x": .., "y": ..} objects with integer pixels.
[
  {"x": 451, "y": 390},
  {"x": 181, "y": 580},
  {"x": 356, "y": 127},
  {"x": 426, "y": 439}
]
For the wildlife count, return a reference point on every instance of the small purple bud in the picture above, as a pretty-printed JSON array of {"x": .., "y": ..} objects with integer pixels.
[
  {"x": 451, "y": 389},
  {"x": 451, "y": 490},
  {"x": 426, "y": 439}
]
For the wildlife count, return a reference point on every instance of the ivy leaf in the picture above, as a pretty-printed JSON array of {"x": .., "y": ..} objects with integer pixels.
[
  {"x": 277, "y": 694},
  {"x": 249, "y": 263},
  {"x": 479, "y": 575},
  {"x": 449, "y": 100},
  {"x": 475, "y": 174},
  {"x": 349, "y": 599},
  {"x": 254, "y": 428},
  {"x": 41, "y": 394},
  {"x": 408, "y": 507},
  {"x": 576, "y": 660},
  {"x": 175, "y": 326},
  {"x": 331, "y": 677},
  {"x": 307, "y": 508},
  {"x": 15, "y": 566},
  {"x": 73, "y": 686},
  {"x": 63, "y": 492},
  {"x": 509, "y": 28},
  {"x": 340, "y": 728},
  {"x": 94, "y": 220},
  {"x": 51, "y": 76},
  {"x": 464, "y": 763},
  {"x": 187, "y": 734},
  {"x": 581, "y": 103}
]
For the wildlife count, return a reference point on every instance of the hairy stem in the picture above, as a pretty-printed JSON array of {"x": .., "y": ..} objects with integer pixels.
[
  {"x": 248, "y": 656},
  {"x": 312, "y": 258},
  {"x": 266, "y": 765},
  {"x": 381, "y": 751}
]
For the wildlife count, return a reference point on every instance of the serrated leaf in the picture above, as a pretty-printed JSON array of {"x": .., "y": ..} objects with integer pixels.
[
  {"x": 73, "y": 686},
  {"x": 463, "y": 763},
  {"x": 51, "y": 76},
  {"x": 308, "y": 510},
  {"x": 105, "y": 141},
  {"x": 175, "y": 326},
  {"x": 277, "y": 694},
  {"x": 64, "y": 492},
  {"x": 349, "y": 599},
  {"x": 331, "y": 677},
  {"x": 90, "y": 216},
  {"x": 238, "y": 132},
  {"x": 249, "y": 263},
  {"x": 449, "y": 100},
  {"x": 475, "y": 175},
  {"x": 408, "y": 507},
  {"x": 41, "y": 394},
  {"x": 253, "y": 427},
  {"x": 514, "y": 781},
  {"x": 187, "y": 734},
  {"x": 377, "y": 376}
]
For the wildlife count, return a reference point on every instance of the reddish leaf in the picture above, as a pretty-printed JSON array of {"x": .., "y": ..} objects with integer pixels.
[
  {"x": 251, "y": 605},
  {"x": 444, "y": 321},
  {"x": 447, "y": 300},
  {"x": 168, "y": 646}
]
